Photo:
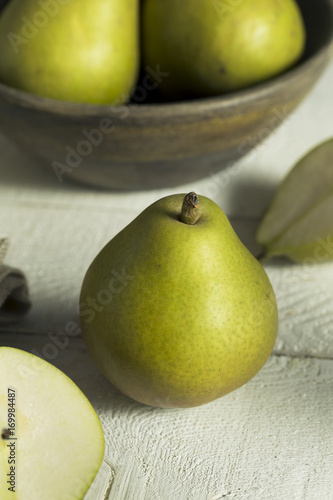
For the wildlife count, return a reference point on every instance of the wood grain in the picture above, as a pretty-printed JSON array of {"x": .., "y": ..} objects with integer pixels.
[
  {"x": 269, "y": 438},
  {"x": 55, "y": 245}
]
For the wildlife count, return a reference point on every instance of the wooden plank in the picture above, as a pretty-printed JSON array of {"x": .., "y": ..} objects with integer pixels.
[
  {"x": 270, "y": 439},
  {"x": 273, "y": 438},
  {"x": 54, "y": 247}
]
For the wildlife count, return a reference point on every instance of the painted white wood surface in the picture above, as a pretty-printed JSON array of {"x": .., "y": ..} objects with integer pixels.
[{"x": 270, "y": 440}]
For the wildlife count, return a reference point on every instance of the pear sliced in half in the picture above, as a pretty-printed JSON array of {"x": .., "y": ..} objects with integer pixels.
[
  {"x": 299, "y": 223},
  {"x": 52, "y": 443}
]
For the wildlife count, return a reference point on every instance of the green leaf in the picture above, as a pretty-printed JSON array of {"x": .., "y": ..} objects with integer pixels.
[{"x": 299, "y": 221}]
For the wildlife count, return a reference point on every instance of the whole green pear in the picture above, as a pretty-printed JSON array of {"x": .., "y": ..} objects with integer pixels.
[
  {"x": 175, "y": 310},
  {"x": 78, "y": 50},
  {"x": 212, "y": 47}
]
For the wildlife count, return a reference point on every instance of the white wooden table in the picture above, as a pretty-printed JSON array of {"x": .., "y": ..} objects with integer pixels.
[{"x": 270, "y": 440}]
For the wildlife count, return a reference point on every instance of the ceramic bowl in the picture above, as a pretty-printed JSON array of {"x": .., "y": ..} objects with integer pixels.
[{"x": 153, "y": 144}]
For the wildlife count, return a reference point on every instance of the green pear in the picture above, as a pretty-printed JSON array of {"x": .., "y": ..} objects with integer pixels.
[
  {"x": 175, "y": 310},
  {"x": 51, "y": 442},
  {"x": 298, "y": 223},
  {"x": 212, "y": 47},
  {"x": 78, "y": 50}
]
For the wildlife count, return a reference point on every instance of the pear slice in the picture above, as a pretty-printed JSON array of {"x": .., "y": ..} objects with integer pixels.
[
  {"x": 299, "y": 221},
  {"x": 51, "y": 443}
]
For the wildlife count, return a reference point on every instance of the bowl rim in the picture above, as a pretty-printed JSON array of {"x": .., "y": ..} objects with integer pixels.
[{"x": 177, "y": 108}]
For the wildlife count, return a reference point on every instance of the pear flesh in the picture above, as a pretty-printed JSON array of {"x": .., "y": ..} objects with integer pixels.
[
  {"x": 51, "y": 443},
  {"x": 81, "y": 51},
  {"x": 177, "y": 313},
  {"x": 211, "y": 47}
]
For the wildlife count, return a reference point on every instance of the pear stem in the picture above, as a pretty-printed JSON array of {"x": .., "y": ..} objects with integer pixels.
[{"x": 190, "y": 213}]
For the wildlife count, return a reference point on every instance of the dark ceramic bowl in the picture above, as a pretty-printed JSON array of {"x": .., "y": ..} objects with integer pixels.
[{"x": 151, "y": 144}]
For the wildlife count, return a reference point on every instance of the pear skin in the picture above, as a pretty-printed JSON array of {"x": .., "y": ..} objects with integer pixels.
[
  {"x": 79, "y": 51},
  {"x": 177, "y": 312},
  {"x": 211, "y": 47}
]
